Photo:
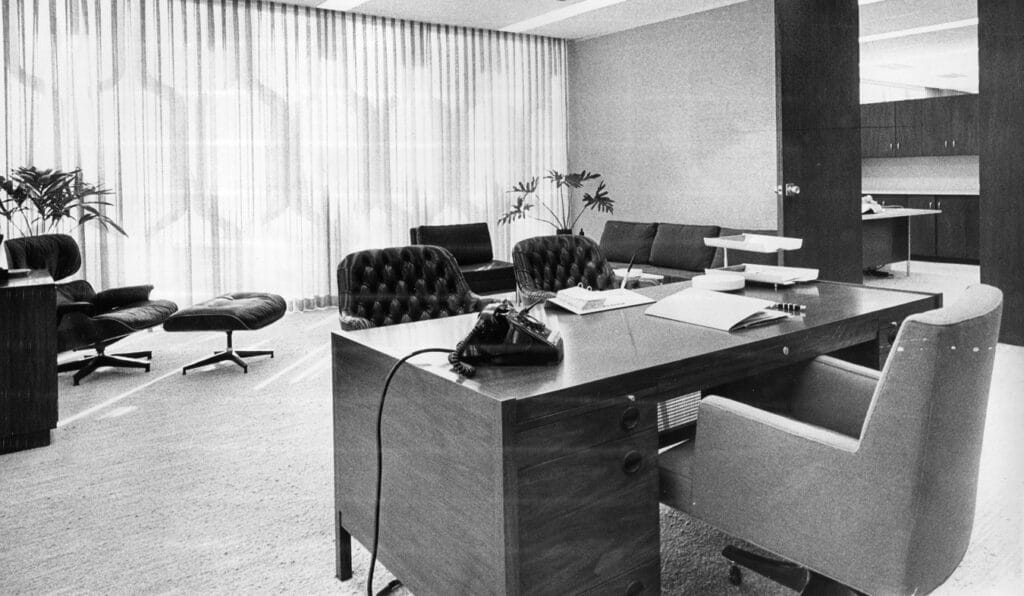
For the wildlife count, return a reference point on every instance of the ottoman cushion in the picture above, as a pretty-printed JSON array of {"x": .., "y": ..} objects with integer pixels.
[{"x": 237, "y": 311}]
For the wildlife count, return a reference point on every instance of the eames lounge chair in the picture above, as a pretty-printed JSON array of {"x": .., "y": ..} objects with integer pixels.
[
  {"x": 387, "y": 286},
  {"x": 86, "y": 318},
  {"x": 867, "y": 480}
]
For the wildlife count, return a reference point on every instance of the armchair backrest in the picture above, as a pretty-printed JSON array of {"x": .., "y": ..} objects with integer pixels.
[
  {"x": 552, "y": 263},
  {"x": 469, "y": 243},
  {"x": 387, "y": 286},
  {"x": 924, "y": 429},
  {"x": 57, "y": 253}
]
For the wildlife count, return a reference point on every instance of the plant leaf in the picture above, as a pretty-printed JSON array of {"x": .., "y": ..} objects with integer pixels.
[{"x": 599, "y": 200}]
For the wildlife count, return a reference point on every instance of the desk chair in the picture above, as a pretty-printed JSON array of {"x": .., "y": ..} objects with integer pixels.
[
  {"x": 546, "y": 264},
  {"x": 87, "y": 318},
  {"x": 868, "y": 481},
  {"x": 387, "y": 286}
]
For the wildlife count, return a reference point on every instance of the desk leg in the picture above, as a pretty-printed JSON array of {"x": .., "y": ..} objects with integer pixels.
[
  {"x": 908, "y": 247},
  {"x": 343, "y": 542}
]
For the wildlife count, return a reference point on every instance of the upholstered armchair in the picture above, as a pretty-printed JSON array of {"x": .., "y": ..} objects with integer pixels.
[
  {"x": 470, "y": 244},
  {"x": 387, "y": 286},
  {"x": 865, "y": 480},
  {"x": 546, "y": 264},
  {"x": 87, "y": 318}
]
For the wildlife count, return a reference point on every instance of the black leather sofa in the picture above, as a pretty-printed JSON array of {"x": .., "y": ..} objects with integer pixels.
[
  {"x": 674, "y": 250},
  {"x": 470, "y": 244}
]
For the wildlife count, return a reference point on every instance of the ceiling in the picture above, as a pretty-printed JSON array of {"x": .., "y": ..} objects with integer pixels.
[{"x": 892, "y": 52}]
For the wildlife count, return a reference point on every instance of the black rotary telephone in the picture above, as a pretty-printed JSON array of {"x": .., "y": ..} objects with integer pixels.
[{"x": 503, "y": 335}]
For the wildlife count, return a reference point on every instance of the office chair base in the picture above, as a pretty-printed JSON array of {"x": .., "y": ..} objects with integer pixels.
[
  {"x": 87, "y": 366},
  {"x": 230, "y": 353},
  {"x": 791, "y": 575}
]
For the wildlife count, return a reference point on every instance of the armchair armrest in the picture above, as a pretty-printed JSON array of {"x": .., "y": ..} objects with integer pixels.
[
  {"x": 352, "y": 323},
  {"x": 756, "y": 468},
  {"x": 834, "y": 394},
  {"x": 66, "y": 308},
  {"x": 118, "y": 297}
]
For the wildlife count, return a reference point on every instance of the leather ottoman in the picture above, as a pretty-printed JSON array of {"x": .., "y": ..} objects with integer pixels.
[{"x": 237, "y": 311}]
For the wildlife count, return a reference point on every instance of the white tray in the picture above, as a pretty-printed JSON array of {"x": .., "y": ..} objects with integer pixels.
[
  {"x": 756, "y": 242},
  {"x": 769, "y": 274}
]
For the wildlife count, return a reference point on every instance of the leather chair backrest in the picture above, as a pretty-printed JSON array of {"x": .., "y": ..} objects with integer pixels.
[
  {"x": 553, "y": 263},
  {"x": 387, "y": 286},
  {"x": 57, "y": 253},
  {"x": 469, "y": 243},
  {"x": 924, "y": 430}
]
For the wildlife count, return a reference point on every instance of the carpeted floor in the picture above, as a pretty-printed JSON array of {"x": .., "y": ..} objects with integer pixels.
[{"x": 221, "y": 482}]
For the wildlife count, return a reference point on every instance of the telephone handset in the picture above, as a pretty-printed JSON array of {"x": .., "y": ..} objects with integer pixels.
[{"x": 503, "y": 335}]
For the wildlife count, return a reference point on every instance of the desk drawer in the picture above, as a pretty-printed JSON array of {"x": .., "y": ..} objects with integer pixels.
[
  {"x": 589, "y": 517},
  {"x": 566, "y": 435}
]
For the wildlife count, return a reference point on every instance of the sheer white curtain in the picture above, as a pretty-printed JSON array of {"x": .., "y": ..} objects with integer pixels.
[{"x": 251, "y": 145}]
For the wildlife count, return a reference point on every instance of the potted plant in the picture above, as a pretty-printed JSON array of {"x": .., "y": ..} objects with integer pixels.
[
  {"x": 559, "y": 216},
  {"x": 37, "y": 201}
]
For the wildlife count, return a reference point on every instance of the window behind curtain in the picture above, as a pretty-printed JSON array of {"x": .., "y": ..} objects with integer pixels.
[{"x": 252, "y": 145}]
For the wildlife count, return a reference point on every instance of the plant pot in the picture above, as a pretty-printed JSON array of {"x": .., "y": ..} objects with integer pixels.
[{"x": 564, "y": 231}]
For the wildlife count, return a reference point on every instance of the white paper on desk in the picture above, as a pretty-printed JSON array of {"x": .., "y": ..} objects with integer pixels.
[
  {"x": 613, "y": 299},
  {"x": 718, "y": 310}
]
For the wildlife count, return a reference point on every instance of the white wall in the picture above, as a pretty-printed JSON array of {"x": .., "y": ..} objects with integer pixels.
[
  {"x": 680, "y": 118},
  {"x": 921, "y": 175}
]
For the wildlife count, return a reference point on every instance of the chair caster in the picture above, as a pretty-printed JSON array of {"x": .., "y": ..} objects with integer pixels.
[{"x": 735, "y": 575}]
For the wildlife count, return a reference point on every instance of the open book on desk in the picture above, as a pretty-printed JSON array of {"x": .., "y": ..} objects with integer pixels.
[
  {"x": 583, "y": 301},
  {"x": 726, "y": 312}
]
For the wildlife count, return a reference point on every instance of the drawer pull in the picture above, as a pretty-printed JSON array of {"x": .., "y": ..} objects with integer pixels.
[
  {"x": 632, "y": 463},
  {"x": 635, "y": 587},
  {"x": 630, "y": 418},
  {"x": 785, "y": 350}
]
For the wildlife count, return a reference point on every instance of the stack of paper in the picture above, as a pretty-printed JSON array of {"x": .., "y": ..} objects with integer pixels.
[
  {"x": 598, "y": 301},
  {"x": 726, "y": 312}
]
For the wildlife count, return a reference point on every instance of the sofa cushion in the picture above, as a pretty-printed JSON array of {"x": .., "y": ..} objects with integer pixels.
[
  {"x": 620, "y": 240},
  {"x": 681, "y": 246},
  {"x": 742, "y": 256}
]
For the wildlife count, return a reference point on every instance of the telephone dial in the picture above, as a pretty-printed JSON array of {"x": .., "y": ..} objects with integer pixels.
[{"x": 503, "y": 335}]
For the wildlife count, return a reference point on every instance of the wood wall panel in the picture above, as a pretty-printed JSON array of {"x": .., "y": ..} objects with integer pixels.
[
  {"x": 817, "y": 55},
  {"x": 1001, "y": 140}
]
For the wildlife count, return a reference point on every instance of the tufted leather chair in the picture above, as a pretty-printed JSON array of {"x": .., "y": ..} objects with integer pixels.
[
  {"x": 546, "y": 264},
  {"x": 387, "y": 286},
  {"x": 87, "y": 318}
]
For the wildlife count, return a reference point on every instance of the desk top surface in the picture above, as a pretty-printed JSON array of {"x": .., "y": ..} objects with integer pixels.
[
  {"x": 627, "y": 345},
  {"x": 892, "y": 212}
]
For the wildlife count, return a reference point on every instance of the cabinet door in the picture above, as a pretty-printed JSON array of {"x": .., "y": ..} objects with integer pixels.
[
  {"x": 922, "y": 227},
  {"x": 907, "y": 118},
  {"x": 972, "y": 228},
  {"x": 963, "y": 122},
  {"x": 951, "y": 232},
  {"x": 877, "y": 135}
]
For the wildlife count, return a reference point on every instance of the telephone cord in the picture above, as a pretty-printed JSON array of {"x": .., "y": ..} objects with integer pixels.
[{"x": 380, "y": 467}]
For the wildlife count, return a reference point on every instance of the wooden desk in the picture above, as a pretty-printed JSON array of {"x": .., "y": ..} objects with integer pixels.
[
  {"x": 886, "y": 236},
  {"x": 543, "y": 480},
  {"x": 28, "y": 362}
]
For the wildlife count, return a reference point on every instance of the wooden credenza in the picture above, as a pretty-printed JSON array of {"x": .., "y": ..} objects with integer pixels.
[{"x": 28, "y": 362}]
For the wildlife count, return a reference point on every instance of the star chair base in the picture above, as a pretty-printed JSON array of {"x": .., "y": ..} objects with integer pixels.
[
  {"x": 236, "y": 356},
  {"x": 87, "y": 366},
  {"x": 791, "y": 575}
]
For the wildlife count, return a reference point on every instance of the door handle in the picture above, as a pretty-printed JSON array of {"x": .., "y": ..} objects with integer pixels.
[
  {"x": 954, "y": 143},
  {"x": 792, "y": 190},
  {"x": 945, "y": 144}
]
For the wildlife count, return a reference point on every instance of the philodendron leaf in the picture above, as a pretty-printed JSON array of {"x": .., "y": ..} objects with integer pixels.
[
  {"x": 599, "y": 200},
  {"x": 518, "y": 211},
  {"x": 577, "y": 180},
  {"x": 526, "y": 187}
]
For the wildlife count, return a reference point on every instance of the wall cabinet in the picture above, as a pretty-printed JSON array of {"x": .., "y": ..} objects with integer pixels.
[
  {"x": 952, "y": 235},
  {"x": 920, "y": 127}
]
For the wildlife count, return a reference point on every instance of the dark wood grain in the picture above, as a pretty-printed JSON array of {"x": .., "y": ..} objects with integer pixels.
[
  {"x": 1001, "y": 134},
  {"x": 885, "y": 241},
  {"x": 28, "y": 362},
  {"x": 922, "y": 229},
  {"x": 817, "y": 55}
]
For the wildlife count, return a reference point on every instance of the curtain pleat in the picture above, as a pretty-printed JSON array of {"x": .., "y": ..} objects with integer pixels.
[{"x": 251, "y": 145}]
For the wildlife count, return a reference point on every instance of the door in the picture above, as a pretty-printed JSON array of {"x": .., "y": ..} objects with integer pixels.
[{"x": 817, "y": 55}]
